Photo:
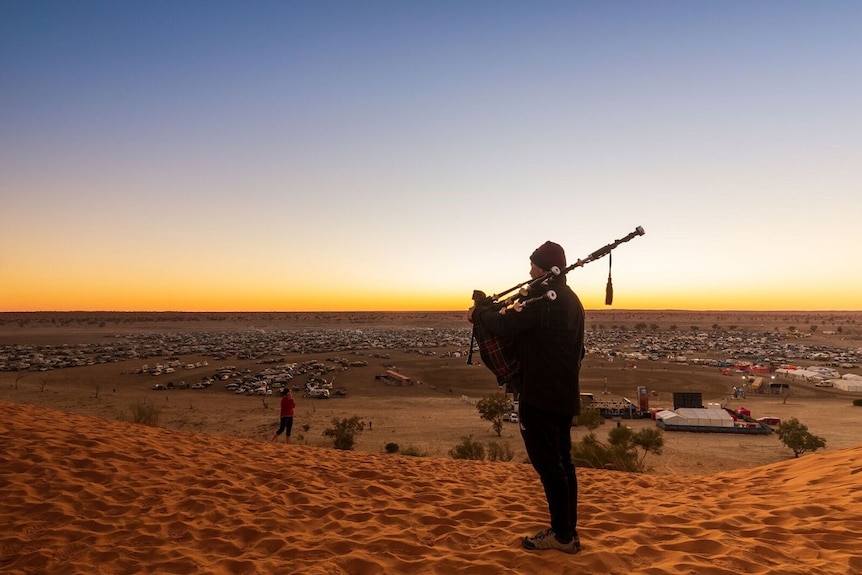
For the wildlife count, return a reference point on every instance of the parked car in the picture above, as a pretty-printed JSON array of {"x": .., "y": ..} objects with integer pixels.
[
  {"x": 770, "y": 421},
  {"x": 317, "y": 392}
]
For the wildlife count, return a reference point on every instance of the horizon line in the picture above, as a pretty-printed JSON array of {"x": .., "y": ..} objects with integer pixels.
[{"x": 423, "y": 311}]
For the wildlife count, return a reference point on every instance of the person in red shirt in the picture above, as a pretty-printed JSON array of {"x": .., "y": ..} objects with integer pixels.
[{"x": 287, "y": 407}]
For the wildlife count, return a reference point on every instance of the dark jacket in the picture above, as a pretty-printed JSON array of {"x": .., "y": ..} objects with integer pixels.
[{"x": 549, "y": 339}]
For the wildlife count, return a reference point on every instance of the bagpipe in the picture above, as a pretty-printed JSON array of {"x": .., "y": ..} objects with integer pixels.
[{"x": 498, "y": 353}]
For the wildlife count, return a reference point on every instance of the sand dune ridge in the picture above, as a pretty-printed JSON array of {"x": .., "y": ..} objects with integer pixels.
[{"x": 85, "y": 495}]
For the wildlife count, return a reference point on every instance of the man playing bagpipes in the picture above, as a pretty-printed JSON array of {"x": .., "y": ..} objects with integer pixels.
[{"x": 537, "y": 352}]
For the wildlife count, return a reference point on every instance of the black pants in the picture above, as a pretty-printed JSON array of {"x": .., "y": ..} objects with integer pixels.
[
  {"x": 286, "y": 425},
  {"x": 548, "y": 439}
]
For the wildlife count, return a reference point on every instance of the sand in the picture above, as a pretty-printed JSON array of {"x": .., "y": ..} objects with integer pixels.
[{"x": 86, "y": 495}]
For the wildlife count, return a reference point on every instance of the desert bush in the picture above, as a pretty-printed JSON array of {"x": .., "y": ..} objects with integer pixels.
[
  {"x": 589, "y": 452},
  {"x": 624, "y": 451},
  {"x": 412, "y": 452},
  {"x": 500, "y": 452},
  {"x": 144, "y": 413},
  {"x": 857, "y": 402},
  {"x": 391, "y": 447},
  {"x": 468, "y": 449},
  {"x": 343, "y": 432},
  {"x": 590, "y": 418}
]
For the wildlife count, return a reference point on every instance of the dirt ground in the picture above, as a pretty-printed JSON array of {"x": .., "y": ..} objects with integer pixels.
[{"x": 433, "y": 415}]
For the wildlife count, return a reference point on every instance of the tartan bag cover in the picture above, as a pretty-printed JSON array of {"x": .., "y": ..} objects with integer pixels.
[{"x": 497, "y": 353}]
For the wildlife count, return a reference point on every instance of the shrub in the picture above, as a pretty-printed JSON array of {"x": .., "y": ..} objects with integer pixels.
[
  {"x": 413, "y": 452},
  {"x": 650, "y": 440},
  {"x": 590, "y": 418},
  {"x": 343, "y": 432},
  {"x": 500, "y": 452},
  {"x": 589, "y": 452},
  {"x": 391, "y": 447},
  {"x": 857, "y": 402},
  {"x": 468, "y": 449},
  {"x": 144, "y": 413},
  {"x": 621, "y": 453}
]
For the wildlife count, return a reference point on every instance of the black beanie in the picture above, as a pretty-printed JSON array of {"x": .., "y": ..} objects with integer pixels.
[{"x": 549, "y": 255}]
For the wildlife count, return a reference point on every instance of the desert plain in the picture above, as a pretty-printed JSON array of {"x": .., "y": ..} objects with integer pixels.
[
  {"x": 436, "y": 411},
  {"x": 205, "y": 492}
]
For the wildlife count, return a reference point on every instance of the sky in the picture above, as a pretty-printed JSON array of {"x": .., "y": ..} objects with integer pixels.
[{"x": 396, "y": 155}]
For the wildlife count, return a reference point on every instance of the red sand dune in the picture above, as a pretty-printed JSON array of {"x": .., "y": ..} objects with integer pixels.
[{"x": 85, "y": 495}]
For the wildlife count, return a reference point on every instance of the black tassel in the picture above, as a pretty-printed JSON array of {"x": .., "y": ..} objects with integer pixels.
[{"x": 609, "y": 289}]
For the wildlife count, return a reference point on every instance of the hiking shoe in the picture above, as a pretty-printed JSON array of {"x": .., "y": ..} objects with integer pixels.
[{"x": 547, "y": 540}]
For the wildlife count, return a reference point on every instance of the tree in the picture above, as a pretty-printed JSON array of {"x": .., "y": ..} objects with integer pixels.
[
  {"x": 492, "y": 408},
  {"x": 796, "y": 436},
  {"x": 343, "y": 432}
]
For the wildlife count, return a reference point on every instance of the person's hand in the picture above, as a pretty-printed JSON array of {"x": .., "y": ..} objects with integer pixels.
[{"x": 470, "y": 314}]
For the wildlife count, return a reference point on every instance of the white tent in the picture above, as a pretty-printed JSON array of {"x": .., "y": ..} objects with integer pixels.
[
  {"x": 848, "y": 382},
  {"x": 701, "y": 417},
  {"x": 800, "y": 374},
  {"x": 668, "y": 417},
  {"x": 826, "y": 372}
]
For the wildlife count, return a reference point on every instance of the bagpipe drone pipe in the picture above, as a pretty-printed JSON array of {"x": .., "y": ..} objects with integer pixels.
[{"x": 498, "y": 353}]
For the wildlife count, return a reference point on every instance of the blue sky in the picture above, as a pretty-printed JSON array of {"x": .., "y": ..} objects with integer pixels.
[{"x": 397, "y": 155}]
